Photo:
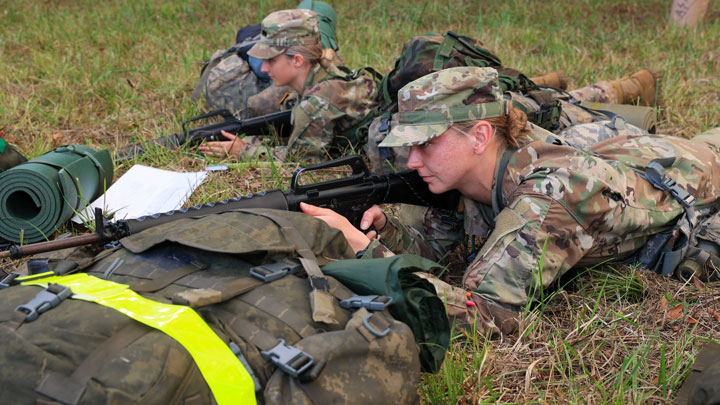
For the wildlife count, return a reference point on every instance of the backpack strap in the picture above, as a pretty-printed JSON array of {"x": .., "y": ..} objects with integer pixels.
[
  {"x": 481, "y": 52},
  {"x": 498, "y": 201},
  {"x": 201, "y": 297},
  {"x": 321, "y": 300},
  {"x": 443, "y": 52},
  {"x": 69, "y": 389}
]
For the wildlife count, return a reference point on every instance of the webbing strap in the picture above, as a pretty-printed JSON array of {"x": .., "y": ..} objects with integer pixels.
[
  {"x": 225, "y": 375},
  {"x": 498, "y": 202},
  {"x": 68, "y": 390},
  {"x": 443, "y": 52},
  {"x": 201, "y": 297},
  {"x": 320, "y": 298}
]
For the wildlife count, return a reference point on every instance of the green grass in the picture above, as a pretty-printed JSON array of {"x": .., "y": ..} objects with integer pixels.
[{"x": 110, "y": 73}]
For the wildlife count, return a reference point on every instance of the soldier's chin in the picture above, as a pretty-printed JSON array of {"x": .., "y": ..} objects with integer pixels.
[{"x": 435, "y": 187}]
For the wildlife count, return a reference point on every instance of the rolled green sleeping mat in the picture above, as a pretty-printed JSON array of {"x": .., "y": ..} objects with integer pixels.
[
  {"x": 640, "y": 116},
  {"x": 9, "y": 157},
  {"x": 40, "y": 195}
]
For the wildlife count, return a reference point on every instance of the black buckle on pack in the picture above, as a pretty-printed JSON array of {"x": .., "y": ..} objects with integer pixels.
[
  {"x": 274, "y": 271},
  {"x": 45, "y": 300},
  {"x": 384, "y": 127},
  {"x": 289, "y": 359},
  {"x": 369, "y": 302},
  {"x": 10, "y": 280},
  {"x": 679, "y": 193},
  {"x": 655, "y": 174},
  {"x": 366, "y": 323}
]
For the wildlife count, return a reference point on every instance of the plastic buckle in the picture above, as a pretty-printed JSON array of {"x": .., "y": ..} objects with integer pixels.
[
  {"x": 236, "y": 351},
  {"x": 369, "y": 302},
  {"x": 10, "y": 280},
  {"x": 37, "y": 266},
  {"x": 679, "y": 193},
  {"x": 287, "y": 357},
  {"x": 44, "y": 301},
  {"x": 371, "y": 329},
  {"x": 274, "y": 271}
]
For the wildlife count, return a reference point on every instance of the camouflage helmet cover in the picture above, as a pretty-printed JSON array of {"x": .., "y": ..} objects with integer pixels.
[
  {"x": 428, "y": 106},
  {"x": 283, "y": 29}
]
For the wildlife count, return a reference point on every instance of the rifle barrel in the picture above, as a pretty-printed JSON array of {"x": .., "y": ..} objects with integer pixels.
[{"x": 42, "y": 247}]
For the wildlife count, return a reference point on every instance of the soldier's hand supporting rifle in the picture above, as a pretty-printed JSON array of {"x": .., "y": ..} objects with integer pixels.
[
  {"x": 355, "y": 237},
  {"x": 233, "y": 147}
]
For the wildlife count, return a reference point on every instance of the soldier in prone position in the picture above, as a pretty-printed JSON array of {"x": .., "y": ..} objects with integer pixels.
[
  {"x": 574, "y": 207},
  {"x": 332, "y": 101}
]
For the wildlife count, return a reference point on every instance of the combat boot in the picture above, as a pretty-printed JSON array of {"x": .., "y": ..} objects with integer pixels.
[
  {"x": 9, "y": 157},
  {"x": 642, "y": 86},
  {"x": 553, "y": 79}
]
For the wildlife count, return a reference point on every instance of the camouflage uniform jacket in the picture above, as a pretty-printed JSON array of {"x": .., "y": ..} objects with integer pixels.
[
  {"x": 577, "y": 208},
  {"x": 330, "y": 105}
]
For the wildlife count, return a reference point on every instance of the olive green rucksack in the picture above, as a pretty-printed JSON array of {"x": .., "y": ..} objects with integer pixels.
[
  {"x": 428, "y": 53},
  {"x": 243, "y": 273}
]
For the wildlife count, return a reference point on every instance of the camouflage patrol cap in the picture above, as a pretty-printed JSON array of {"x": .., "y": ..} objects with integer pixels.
[
  {"x": 429, "y": 105},
  {"x": 283, "y": 29}
]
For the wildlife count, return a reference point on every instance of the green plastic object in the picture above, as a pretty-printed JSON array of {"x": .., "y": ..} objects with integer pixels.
[
  {"x": 327, "y": 21},
  {"x": 414, "y": 303},
  {"x": 40, "y": 195}
]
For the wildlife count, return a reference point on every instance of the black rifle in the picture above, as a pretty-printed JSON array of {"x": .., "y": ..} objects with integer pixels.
[
  {"x": 349, "y": 196},
  {"x": 192, "y": 137}
]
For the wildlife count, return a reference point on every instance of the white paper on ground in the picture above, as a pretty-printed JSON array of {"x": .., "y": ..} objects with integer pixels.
[{"x": 144, "y": 190}]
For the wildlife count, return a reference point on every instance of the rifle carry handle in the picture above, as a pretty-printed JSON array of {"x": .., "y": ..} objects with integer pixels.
[{"x": 360, "y": 173}]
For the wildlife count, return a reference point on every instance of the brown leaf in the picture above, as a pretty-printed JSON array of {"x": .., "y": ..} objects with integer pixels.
[
  {"x": 691, "y": 320},
  {"x": 676, "y": 328},
  {"x": 714, "y": 314},
  {"x": 663, "y": 304},
  {"x": 675, "y": 312},
  {"x": 57, "y": 136},
  {"x": 698, "y": 284}
]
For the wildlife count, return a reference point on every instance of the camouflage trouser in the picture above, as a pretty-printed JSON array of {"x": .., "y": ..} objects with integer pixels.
[
  {"x": 711, "y": 135},
  {"x": 9, "y": 157},
  {"x": 600, "y": 92}
]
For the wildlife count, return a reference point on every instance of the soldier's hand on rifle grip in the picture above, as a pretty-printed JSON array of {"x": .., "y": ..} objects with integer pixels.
[
  {"x": 373, "y": 221},
  {"x": 356, "y": 238},
  {"x": 233, "y": 147}
]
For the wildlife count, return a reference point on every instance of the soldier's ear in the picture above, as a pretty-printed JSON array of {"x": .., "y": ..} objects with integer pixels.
[
  {"x": 482, "y": 133},
  {"x": 298, "y": 60}
]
